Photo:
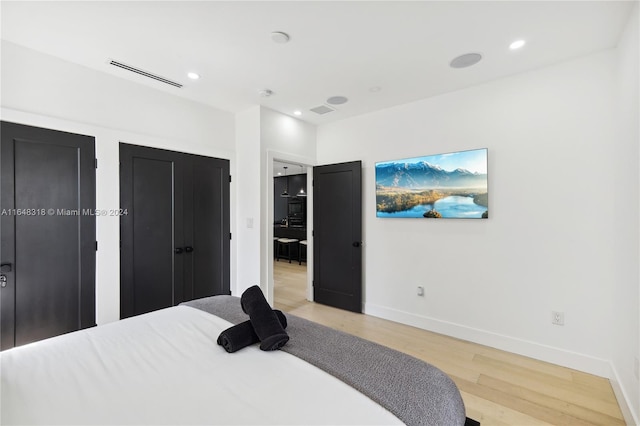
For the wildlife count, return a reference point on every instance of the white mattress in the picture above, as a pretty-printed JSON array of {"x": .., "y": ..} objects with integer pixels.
[{"x": 165, "y": 367}]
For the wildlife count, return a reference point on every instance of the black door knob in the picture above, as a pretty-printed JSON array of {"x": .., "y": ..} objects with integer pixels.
[
  {"x": 188, "y": 249},
  {"x": 5, "y": 267},
  {"x": 178, "y": 250},
  {"x": 356, "y": 244}
]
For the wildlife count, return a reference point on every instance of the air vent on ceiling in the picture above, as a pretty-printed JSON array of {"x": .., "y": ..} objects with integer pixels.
[
  {"x": 322, "y": 109},
  {"x": 144, "y": 73}
]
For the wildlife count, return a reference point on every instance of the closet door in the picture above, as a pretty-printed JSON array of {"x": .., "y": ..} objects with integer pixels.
[
  {"x": 175, "y": 235},
  {"x": 150, "y": 229},
  {"x": 207, "y": 228},
  {"x": 48, "y": 233}
]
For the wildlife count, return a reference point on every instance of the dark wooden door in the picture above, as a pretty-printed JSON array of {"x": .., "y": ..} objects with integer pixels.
[
  {"x": 207, "y": 229},
  {"x": 175, "y": 235},
  {"x": 337, "y": 235},
  {"x": 150, "y": 229},
  {"x": 48, "y": 233}
]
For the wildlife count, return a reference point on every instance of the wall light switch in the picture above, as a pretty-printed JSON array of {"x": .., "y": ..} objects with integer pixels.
[{"x": 249, "y": 222}]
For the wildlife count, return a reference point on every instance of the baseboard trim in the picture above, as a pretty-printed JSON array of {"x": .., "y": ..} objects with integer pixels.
[
  {"x": 565, "y": 358},
  {"x": 569, "y": 359},
  {"x": 624, "y": 401}
]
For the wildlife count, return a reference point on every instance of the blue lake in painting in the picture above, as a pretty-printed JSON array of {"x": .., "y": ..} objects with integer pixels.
[{"x": 453, "y": 206}]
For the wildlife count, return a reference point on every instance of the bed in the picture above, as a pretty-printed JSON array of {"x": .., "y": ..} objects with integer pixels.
[{"x": 165, "y": 367}]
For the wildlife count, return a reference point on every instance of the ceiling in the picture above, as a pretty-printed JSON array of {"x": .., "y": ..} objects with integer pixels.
[
  {"x": 377, "y": 54},
  {"x": 291, "y": 169}
]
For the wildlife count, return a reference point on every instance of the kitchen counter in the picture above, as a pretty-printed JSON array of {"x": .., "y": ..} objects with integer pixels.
[{"x": 297, "y": 232}]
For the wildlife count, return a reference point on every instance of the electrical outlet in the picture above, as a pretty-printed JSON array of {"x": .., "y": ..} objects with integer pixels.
[
  {"x": 420, "y": 291},
  {"x": 557, "y": 318},
  {"x": 636, "y": 368}
]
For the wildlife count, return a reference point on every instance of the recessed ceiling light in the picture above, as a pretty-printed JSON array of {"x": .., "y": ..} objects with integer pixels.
[
  {"x": 297, "y": 112},
  {"x": 517, "y": 44},
  {"x": 465, "y": 60},
  {"x": 337, "y": 100},
  {"x": 279, "y": 37},
  {"x": 193, "y": 75}
]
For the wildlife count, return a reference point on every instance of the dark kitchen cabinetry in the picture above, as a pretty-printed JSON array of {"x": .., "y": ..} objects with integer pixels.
[
  {"x": 296, "y": 183},
  {"x": 297, "y": 233},
  {"x": 293, "y": 207},
  {"x": 279, "y": 203}
]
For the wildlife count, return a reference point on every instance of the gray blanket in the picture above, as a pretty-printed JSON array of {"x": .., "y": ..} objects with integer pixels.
[{"x": 414, "y": 391}]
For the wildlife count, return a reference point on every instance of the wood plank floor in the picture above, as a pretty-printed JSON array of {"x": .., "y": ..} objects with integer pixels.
[{"x": 498, "y": 387}]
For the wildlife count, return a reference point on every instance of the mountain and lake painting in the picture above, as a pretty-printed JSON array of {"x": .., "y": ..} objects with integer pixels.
[{"x": 452, "y": 185}]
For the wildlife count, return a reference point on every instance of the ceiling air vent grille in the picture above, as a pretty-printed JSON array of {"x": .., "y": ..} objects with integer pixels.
[
  {"x": 322, "y": 109},
  {"x": 144, "y": 73}
]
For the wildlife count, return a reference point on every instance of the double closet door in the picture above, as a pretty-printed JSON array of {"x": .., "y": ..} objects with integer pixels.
[{"x": 174, "y": 228}]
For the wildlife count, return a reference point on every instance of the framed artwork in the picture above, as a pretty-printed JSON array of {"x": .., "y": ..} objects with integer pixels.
[{"x": 452, "y": 185}]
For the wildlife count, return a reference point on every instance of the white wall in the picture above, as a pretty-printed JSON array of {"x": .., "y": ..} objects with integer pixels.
[
  {"x": 44, "y": 91},
  {"x": 625, "y": 282},
  {"x": 553, "y": 242},
  {"x": 291, "y": 140},
  {"x": 262, "y": 136},
  {"x": 249, "y": 210}
]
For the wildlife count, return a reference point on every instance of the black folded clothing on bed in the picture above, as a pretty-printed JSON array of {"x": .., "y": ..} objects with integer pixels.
[
  {"x": 242, "y": 335},
  {"x": 264, "y": 321}
]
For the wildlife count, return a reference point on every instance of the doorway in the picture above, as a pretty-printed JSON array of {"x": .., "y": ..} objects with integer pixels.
[
  {"x": 290, "y": 222},
  {"x": 334, "y": 255}
]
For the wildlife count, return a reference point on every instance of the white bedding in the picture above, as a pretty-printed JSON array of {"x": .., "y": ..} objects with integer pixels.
[{"x": 165, "y": 367}]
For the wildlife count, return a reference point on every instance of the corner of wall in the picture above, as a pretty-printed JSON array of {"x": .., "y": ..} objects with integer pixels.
[
  {"x": 626, "y": 345},
  {"x": 247, "y": 200},
  {"x": 630, "y": 417}
]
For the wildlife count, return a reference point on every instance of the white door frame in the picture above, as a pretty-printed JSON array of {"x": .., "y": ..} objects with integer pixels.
[{"x": 267, "y": 242}]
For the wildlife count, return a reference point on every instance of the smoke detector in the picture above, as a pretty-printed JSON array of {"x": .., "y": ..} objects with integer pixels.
[
  {"x": 265, "y": 93},
  {"x": 280, "y": 37}
]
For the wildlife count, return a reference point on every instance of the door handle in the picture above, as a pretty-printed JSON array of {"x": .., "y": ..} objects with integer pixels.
[
  {"x": 188, "y": 249},
  {"x": 4, "y": 268},
  {"x": 356, "y": 244},
  {"x": 178, "y": 250}
]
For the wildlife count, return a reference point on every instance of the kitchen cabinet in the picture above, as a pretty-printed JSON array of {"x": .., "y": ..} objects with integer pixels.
[{"x": 293, "y": 184}]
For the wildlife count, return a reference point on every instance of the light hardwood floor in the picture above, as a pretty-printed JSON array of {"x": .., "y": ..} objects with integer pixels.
[{"x": 498, "y": 388}]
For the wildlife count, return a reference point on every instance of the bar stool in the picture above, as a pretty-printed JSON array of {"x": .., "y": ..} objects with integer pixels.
[
  {"x": 303, "y": 244},
  {"x": 285, "y": 242}
]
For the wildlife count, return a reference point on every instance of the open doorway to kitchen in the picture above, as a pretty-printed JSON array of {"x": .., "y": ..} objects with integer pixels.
[{"x": 291, "y": 220}]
